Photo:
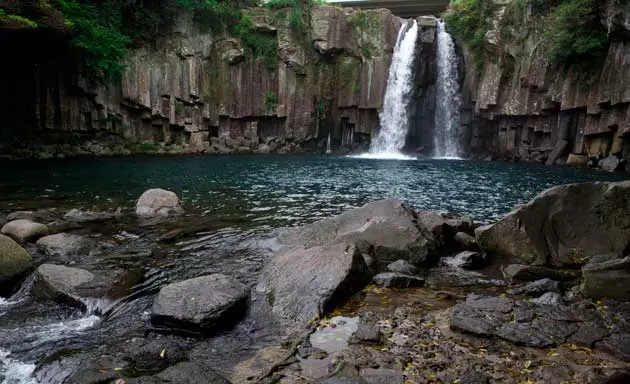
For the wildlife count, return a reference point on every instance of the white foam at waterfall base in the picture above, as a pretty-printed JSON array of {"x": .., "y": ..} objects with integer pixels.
[
  {"x": 15, "y": 372},
  {"x": 394, "y": 118}
]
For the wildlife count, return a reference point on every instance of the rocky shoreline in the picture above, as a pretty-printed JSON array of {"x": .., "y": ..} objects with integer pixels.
[{"x": 379, "y": 294}]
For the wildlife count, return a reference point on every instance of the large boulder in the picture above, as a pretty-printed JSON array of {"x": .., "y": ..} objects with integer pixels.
[
  {"x": 158, "y": 202},
  {"x": 444, "y": 227},
  {"x": 302, "y": 283},
  {"x": 563, "y": 226},
  {"x": 14, "y": 261},
  {"x": 23, "y": 230},
  {"x": 608, "y": 279},
  {"x": 609, "y": 164},
  {"x": 204, "y": 304},
  {"x": 388, "y": 226},
  {"x": 64, "y": 245}
]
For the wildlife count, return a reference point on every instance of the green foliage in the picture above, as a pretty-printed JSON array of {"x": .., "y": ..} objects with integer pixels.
[
  {"x": 258, "y": 43},
  {"x": 10, "y": 19},
  {"x": 271, "y": 101},
  {"x": 359, "y": 19},
  {"x": 365, "y": 51},
  {"x": 468, "y": 21},
  {"x": 575, "y": 33},
  {"x": 146, "y": 147}
]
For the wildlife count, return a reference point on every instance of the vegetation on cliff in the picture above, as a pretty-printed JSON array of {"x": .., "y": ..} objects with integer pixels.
[
  {"x": 573, "y": 31},
  {"x": 102, "y": 32}
]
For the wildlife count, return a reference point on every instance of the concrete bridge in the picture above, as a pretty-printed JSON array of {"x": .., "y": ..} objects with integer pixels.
[{"x": 402, "y": 8}]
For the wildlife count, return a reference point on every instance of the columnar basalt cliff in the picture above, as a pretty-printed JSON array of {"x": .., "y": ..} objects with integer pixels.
[
  {"x": 191, "y": 91},
  {"x": 528, "y": 107}
]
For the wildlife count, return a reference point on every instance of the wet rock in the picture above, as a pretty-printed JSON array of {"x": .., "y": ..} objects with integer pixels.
[
  {"x": 158, "y": 202},
  {"x": 549, "y": 298},
  {"x": 473, "y": 376},
  {"x": 191, "y": 373},
  {"x": 148, "y": 357},
  {"x": 64, "y": 244},
  {"x": 466, "y": 241},
  {"x": 80, "y": 216},
  {"x": 609, "y": 164},
  {"x": 397, "y": 280},
  {"x": 589, "y": 333},
  {"x": 301, "y": 283},
  {"x": 543, "y": 232},
  {"x": 21, "y": 215},
  {"x": 24, "y": 230},
  {"x": 520, "y": 272},
  {"x": 476, "y": 321},
  {"x": 381, "y": 376},
  {"x": 525, "y": 334},
  {"x": 15, "y": 261},
  {"x": 401, "y": 266},
  {"x": 262, "y": 360},
  {"x": 444, "y": 227},
  {"x": 537, "y": 288},
  {"x": 467, "y": 260},
  {"x": 203, "y": 304},
  {"x": 388, "y": 225},
  {"x": 617, "y": 345},
  {"x": 608, "y": 279},
  {"x": 367, "y": 334},
  {"x": 490, "y": 303}
]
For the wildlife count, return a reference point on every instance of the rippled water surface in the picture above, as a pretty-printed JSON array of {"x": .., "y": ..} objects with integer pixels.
[
  {"x": 233, "y": 204},
  {"x": 288, "y": 189}
]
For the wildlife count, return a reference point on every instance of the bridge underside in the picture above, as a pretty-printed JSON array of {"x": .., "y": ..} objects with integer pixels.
[{"x": 402, "y": 8}]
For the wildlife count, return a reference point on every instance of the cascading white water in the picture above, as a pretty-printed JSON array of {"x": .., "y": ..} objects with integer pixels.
[
  {"x": 394, "y": 119},
  {"x": 328, "y": 148},
  {"x": 447, "y": 98}
]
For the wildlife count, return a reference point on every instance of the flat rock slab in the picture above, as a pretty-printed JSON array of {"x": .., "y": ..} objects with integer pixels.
[
  {"x": 381, "y": 376},
  {"x": 522, "y": 273},
  {"x": 24, "y": 230},
  {"x": 204, "y": 304},
  {"x": 537, "y": 288},
  {"x": 397, "y": 280},
  {"x": 540, "y": 326}
]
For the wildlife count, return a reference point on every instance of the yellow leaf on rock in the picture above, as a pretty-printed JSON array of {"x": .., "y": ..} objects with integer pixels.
[{"x": 163, "y": 353}]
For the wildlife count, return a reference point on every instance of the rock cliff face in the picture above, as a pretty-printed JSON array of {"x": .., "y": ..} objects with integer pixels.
[
  {"x": 192, "y": 91},
  {"x": 526, "y": 107}
]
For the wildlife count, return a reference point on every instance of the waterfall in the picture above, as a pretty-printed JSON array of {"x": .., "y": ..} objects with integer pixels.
[
  {"x": 328, "y": 149},
  {"x": 394, "y": 118},
  {"x": 447, "y": 98}
]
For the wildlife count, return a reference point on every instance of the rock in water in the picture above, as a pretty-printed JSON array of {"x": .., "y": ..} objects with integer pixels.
[
  {"x": 158, "y": 202},
  {"x": 520, "y": 272},
  {"x": 14, "y": 261},
  {"x": 544, "y": 231},
  {"x": 608, "y": 279},
  {"x": 23, "y": 230},
  {"x": 609, "y": 164},
  {"x": 401, "y": 266},
  {"x": 302, "y": 283},
  {"x": 397, "y": 280},
  {"x": 203, "y": 304},
  {"x": 60, "y": 283},
  {"x": 388, "y": 226},
  {"x": 64, "y": 244}
]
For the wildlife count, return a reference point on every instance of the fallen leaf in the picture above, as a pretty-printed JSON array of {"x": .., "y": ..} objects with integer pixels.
[{"x": 163, "y": 353}]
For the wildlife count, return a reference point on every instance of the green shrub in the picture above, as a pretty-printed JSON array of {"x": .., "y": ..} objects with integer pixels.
[
  {"x": 258, "y": 43},
  {"x": 271, "y": 101},
  {"x": 10, "y": 18},
  {"x": 468, "y": 21}
]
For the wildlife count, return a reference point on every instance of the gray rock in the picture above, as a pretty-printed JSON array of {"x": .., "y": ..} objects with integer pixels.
[
  {"x": 367, "y": 334},
  {"x": 473, "y": 376},
  {"x": 79, "y": 216},
  {"x": 388, "y": 225},
  {"x": 401, "y": 266},
  {"x": 490, "y": 303},
  {"x": 3, "y": 220},
  {"x": 476, "y": 321},
  {"x": 263, "y": 149},
  {"x": 397, "y": 280},
  {"x": 608, "y": 279},
  {"x": 525, "y": 334},
  {"x": 466, "y": 241},
  {"x": 64, "y": 244},
  {"x": 15, "y": 261},
  {"x": 589, "y": 333},
  {"x": 537, "y": 288},
  {"x": 609, "y": 164},
  {"x": 543, "y": 232},
  {"x": 381, "y": 376},
  {"x": 549, "y": 298},
  {"x": 444, "y": 227},
  {"x": 154, "y": 356},
  {"x": 520, "y": 272},
  {"x": 191, "y": 373},
  {"x": 617, "y": 345},
  {"x": 158, "y": 202},
  {"x": 21, "y": 215},
  {"x": 558, "y": 151},
  {"x": 24, "y": 230},
  {"x": 203, "y": 304},
  {"x": 302, "y": 283}
]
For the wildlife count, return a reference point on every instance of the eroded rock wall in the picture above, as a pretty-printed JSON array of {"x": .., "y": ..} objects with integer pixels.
[
  {"x": 192, "y": 91},
  {"x": 528, "y": 108}
]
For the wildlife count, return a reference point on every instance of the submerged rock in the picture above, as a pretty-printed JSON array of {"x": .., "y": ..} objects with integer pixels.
[
  {"x": 15, "y": 261},
  {"x": 388, "y": 227},
  {"x": 302, "y": 283},
  {"x": 204, "y": 304},
  {"x": 397, "y": 280},
  {"x": 64, "y": 244},
  {"x": 544, "y": 231},
  {"x": 80, "y": 216},
  {"x": 23, "y": 230},
  {"x": 607, "y": 279},
  {"x": 158, "y": 202}
]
